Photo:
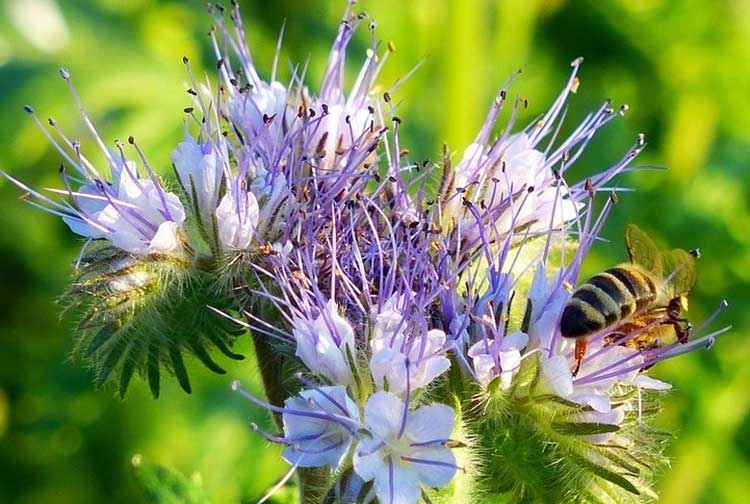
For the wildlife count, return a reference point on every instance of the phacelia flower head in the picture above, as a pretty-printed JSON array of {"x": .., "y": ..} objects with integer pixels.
[
  {"x": 130, "y": 209},
  {"x": 427, "y": 329}
]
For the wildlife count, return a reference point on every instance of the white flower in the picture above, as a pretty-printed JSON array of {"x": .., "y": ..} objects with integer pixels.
[
  {"x": 248, "y": 108},
  {"x": 508, "y": 354},
  {"x": 237, "y": 218},
  {"x": 425, "y": 357},
  {"x": 401, "y": 458},
  {"x": 392, "y": 344},
  {"x": 524, "y": 171},
  {"x": 322, "y": 344},
  {"x": 135, "y": 214},
  {"x": 200, "y": 174},
  {"x": 318, "y": 426},
  {"x": 547, "y": 300}
]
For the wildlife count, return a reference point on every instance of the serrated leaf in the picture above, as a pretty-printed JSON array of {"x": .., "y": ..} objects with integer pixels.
[
  {"x": 128, "y": 368},
  {"x": 206, "y": 359},
  {"x": 178, "y": 367},
  {"x": 584, "y": 428},
  {"x": 111, "y": 359},
  {"x": 153, "y": 371},
  {"x": 100, "y": 338},
  {"x": 223, "y": 348}
]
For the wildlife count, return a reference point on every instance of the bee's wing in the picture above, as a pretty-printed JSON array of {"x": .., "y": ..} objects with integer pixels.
[
  {"x": 642, "y": 249},
  {"x": 681, "y": 266}
]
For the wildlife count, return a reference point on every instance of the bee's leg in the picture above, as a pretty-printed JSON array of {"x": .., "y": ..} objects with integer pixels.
[
  {"x": 683, "y": 332},
  {"x": 580, "y": 353},
  {"x": 682, "y": 328}
]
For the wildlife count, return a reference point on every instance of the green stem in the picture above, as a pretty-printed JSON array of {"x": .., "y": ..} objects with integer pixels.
[{"x": 314, "y": 481}]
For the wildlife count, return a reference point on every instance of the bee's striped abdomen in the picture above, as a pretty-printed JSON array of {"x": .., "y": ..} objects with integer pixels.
[
  {"x": 640, "y": 285},
  {"x": 606, "y": 299}
]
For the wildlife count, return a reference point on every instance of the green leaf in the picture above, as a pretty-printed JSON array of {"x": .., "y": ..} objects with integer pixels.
[
  {"x": 206, "y": 359},
  {"x": 100, "y": 338},
  {"x": 128, "y": 368},
  {"x": 113, "y": 355},
  {"x": 178, "y": 366},
  {"x": 153, "y": 371}
]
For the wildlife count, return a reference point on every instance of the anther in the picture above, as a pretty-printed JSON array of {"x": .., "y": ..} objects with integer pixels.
[
  {"x": 185, "y": 60},
  {"x": 641, "y": 139},
  {"x": 387, "y": 97},
  {"x": 64, "y": 73},
  {"x": 28, "y": 109},
  {"x": 188, "y": 110},
  {"x": 696, "y": 252},
  {"x": 574, "y": 84}
]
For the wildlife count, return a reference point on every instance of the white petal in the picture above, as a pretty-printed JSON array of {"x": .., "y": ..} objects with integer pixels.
[
  {"x": 166, "y": 240},
  {"x": 433, "y": 475},
  {"x": 402, "y": 489},
  {"x": 371, "y": 464},
  {"x": 308, "y": 454},
  {"x": 517, "y": 340},
  {"x": 599, "y": 402},
  {"x": 556, "y": 371},
  {"x": 429, "y": 423},
  {"x": 237, "y": 220},
  {"x": 510, "y": 361},
  {"x": 427, "y": 370},
  {"x": 385, "y": 364},
  {"x": 645, "y": 381},
  {"x": 481, "y": 347},
  {"x": 383, "y": 414}
]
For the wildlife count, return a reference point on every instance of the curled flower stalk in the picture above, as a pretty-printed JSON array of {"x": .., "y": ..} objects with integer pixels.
[{"x": 414, "y": 345}]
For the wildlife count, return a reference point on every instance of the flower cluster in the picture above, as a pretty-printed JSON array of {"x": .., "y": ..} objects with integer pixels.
[{"x": 423, "y": 328}]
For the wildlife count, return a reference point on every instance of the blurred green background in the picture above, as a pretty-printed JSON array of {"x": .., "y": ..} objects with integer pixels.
[{"x": 683, "y": 66}]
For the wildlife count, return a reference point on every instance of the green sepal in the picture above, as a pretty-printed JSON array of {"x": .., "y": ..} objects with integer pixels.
[
  {"x": 143, "y": 314},
  {"x": 584, "y": 429}
]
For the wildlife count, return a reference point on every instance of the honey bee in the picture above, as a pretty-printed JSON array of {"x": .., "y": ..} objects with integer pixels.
[{"x": 635, "y": 301}]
